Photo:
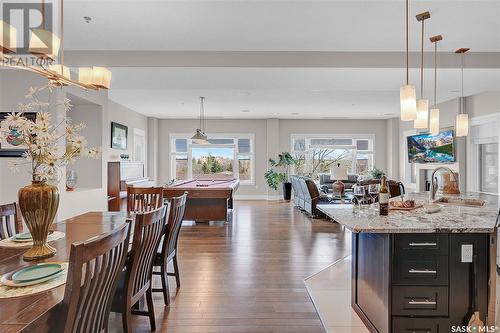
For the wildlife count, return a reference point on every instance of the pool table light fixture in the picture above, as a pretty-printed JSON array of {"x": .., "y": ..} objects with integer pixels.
[{"x": 200, "y": 137}]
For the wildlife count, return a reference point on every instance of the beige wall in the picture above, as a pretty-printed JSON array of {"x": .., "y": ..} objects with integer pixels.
[
  {"x": 475, "y": 105},
  {"x": 257, "y": 127},
  {"x": 125, "y": 116},
  {"x": 13, "y": 87},
  {"x": 483, "y": 104},
  {"x": 340, "y": 126},
  {"x": 271, "y": 137}
]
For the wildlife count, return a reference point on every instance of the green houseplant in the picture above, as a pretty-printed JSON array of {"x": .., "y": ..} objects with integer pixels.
[{"x": 280, "y": 173}]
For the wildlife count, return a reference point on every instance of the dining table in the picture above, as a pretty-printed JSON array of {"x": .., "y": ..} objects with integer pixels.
[{"x": 38, "y": 312}]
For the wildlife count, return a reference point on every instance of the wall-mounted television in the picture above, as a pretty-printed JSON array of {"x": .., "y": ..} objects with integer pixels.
[{"x": 427, "y": 148}]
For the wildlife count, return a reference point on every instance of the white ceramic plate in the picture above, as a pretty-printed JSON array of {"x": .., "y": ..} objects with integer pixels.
[{"x": 6, "y": 280}]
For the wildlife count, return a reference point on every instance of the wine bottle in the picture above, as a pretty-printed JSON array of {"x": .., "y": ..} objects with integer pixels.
[{"x": 383, "y": 197}]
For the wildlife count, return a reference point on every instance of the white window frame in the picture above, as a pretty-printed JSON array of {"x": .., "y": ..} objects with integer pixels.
[
  {"x": 235, "y": 136},
  {"x": 353, "y": 148},
  {"x": 487, "y": 133}
]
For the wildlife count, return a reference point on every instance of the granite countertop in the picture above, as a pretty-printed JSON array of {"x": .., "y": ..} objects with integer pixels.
[{"x": 451, "y": 218}]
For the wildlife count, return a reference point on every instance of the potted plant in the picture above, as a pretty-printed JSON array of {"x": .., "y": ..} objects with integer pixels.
[
  {"x": 376, "y": 173},
  {"x": 280, "y": 173},
  {"x": 48, "y": 147}
]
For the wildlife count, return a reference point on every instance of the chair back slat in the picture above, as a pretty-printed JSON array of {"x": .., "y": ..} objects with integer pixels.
[
  {"x": 148, "y": 230},
  {"x": 10, "y": 220},
  {"x": 144, "y": 199},
  {"x": 177, "y": 208},
  {"x": 94, "y": 268}
]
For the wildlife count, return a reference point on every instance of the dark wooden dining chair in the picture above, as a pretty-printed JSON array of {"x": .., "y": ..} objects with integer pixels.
[
  {"x": 144, "y": 199},
  {"x": 135, "y": 281},
  {"x": 10, "y": 220},
  {"x": 168, "y": 247},
  {"x": 94, "y": 268}
]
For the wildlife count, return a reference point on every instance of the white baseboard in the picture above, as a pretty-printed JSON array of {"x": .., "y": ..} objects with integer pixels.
[
  {"x": 257, "y": 197},
  {"x": 250, "y": 197}
]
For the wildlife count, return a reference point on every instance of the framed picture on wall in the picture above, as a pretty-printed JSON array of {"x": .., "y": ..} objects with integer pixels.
[
  {"x": 119, "y": 134},
  {"x": 11, "y": 147}
]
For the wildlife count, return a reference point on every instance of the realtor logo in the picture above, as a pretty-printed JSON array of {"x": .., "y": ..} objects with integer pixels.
[{"x": 34, "y": 25}]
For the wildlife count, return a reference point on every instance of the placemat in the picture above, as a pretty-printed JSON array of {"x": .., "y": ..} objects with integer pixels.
[
  {"x": 9, "y": 292},
  {"x": 8, "y": 242}
]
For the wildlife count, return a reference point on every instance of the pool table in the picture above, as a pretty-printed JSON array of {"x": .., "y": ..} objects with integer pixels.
[{"x": 207, "y": 200}]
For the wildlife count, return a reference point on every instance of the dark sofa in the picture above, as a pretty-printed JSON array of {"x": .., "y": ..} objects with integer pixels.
[
  {"x": 326, "y": 181},
  {"x": 307, "y": 196}
]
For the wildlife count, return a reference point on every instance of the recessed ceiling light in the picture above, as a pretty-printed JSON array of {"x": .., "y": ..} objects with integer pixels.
[
  {"x": 295, "y": 113},
  {"x": 388, "y": 114},
  {"x": 87, "y": 19},
  {"x": 454, "y": 91},
  {"x": 246, "y": 111},
  {"x": 316, "y": 90}
]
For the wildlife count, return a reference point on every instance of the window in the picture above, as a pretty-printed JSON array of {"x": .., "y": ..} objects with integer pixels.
[
  {"x": 488, "y": 167},
  {"x": 318, "y": 153},
  {"x": 226, "y": 157}
]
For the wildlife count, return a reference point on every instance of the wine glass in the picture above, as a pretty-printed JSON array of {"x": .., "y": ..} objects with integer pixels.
[
  {"x": 359, "y": 192},
  {"x": 373, "y": 191}
]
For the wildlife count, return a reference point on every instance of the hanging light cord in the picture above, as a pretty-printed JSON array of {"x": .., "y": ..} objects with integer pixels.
[
  {"x": 201, "y": 111},
  {"x": 462, "y": 87},
  {"x": 422, "y": 63},
  {"x": 203, "y": 108},
  {"x": 435, "y": 72},
  {"x": 407, "y": 47}
]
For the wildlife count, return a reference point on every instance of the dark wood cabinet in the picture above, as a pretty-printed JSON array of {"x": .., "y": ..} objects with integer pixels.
[{"x": 416, "y": 283}]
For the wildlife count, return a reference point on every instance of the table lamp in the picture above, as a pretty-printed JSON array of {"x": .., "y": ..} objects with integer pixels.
[{"x": 339, "y": 173}]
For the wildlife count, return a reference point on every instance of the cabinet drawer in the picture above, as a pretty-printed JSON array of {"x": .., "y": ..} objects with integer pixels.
[
  {"x": 421, "y": 243},
  {"x": 420, "y": 270},
  {"x": 419, "y": 325},
  {"x": 420, "y": 301}
]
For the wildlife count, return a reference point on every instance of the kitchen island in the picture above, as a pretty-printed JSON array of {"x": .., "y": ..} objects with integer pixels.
[{"x": 412, "y": 270}]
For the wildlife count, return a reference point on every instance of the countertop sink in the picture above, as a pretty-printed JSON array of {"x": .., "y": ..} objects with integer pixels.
[{"x": 460, "y": 201}]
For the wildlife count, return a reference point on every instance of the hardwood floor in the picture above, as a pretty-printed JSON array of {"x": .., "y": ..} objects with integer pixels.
[{"x": 248, "y": 275}]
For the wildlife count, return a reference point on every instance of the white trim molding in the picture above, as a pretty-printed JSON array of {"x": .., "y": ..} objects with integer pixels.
[{"x": 483, "y": 130}]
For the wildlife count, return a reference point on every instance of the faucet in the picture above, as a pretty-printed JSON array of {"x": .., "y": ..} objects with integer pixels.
[{"x": 434, "y": 185}]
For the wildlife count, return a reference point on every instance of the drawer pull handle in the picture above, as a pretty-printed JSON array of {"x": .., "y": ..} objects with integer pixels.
[
  {"x": 412, "y": 244},
  {"x": 426, "y": 302},
  {"x": 422, "y": 271}
]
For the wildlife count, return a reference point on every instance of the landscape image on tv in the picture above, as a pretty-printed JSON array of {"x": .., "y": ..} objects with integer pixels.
[{"x": 427, "y": 148}]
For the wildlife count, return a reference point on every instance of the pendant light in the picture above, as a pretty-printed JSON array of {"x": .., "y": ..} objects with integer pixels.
[
  {"x": 407, "y": 95},
  {"x": 44, "y": 44},
  {"x": 462, "y": 121},
  {"x": 200, "y": 137},
  {"x": 422, "y": 103},
  {"x": 434, "y": 113}
]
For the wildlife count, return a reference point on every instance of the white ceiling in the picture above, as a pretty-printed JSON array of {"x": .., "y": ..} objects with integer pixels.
[
  {"x": 278, "y": 25},
  {"x": 357, "y": 26},
  {"x": 280, "y": 92}
]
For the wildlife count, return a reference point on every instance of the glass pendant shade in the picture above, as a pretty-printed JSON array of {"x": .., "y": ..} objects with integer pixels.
[
  {"x": 462, "y": 125},
  {"x": 60, "y": 70},
  {"x": 408, "y": 101},
  {"x": 85, "y": 75},
  {"x": 95, "y": 76},
  {"x": 8, "y": 38},
  {"x": 44, "y": 43},
  {"x": 422, "y": 114},
  {"x": 199, "y": 137},
  {"x": 101, "y": 77},
  {"x": 434, "y": 121}
]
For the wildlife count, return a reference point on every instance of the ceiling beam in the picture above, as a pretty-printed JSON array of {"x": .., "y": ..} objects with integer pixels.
[{"x": 299, "y": 59}]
